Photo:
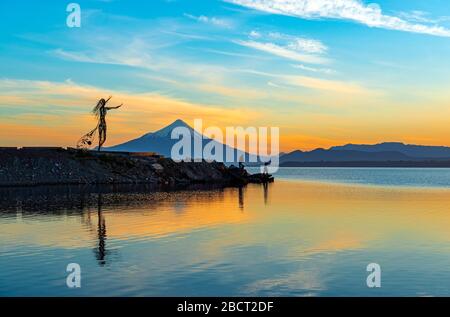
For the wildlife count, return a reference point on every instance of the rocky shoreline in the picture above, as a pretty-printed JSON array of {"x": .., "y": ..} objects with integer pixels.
[{"x": 58, "y": 166}]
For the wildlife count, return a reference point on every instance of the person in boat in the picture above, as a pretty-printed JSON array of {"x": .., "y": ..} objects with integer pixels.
[
  {"x": 241, "y": 163},
  {"x": 266, "y": 167}
]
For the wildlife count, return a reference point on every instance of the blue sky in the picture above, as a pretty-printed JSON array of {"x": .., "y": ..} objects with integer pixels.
[{"x": 326, "y": 71}]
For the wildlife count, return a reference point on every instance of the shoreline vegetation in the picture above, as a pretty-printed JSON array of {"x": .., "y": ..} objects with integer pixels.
[{"x": 59, "y": 166}]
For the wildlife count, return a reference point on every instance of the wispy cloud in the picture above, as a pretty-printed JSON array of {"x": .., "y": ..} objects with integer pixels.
[
  {"x": 351, "y": 10},
  {"x": 422, "y": 17},
  {"x": 327, "y": 85},
  {"x": 283, "y": 51},
  {"x": 255, "y": 34},
  {"x": 300, "y": 49},
  {"x": 65, "y": 106},
  {"x": 417, "y": 16},
  {"x": 327, "y": 71},
  {"x": 126, "y": 58},
  {"x": 308, "y": 45},
  {"x": 338, "y": 87},
  {"x": 301, "y": 44},
  {"x": 220, "y": 22},
  {"x": 80, "y": 57}
]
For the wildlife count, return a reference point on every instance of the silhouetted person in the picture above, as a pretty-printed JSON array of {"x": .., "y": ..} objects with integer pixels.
[
  {"x": 266, "y": 169},
  {"x": 241, "y": 163},
  {"x": 100, "y": 111}
]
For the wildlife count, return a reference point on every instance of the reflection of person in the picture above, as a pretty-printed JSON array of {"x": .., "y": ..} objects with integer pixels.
[
  {"x": 101, "y": 231},
  {"x": 241, "y": 198},
  {"x": 100, "y": 111},
  {"x": 266, "y": 192}
]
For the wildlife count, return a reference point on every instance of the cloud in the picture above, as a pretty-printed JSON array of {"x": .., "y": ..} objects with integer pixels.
[
  {"x": 288, "y": 52},
  {"x": 417, "y": 16},
  {"x": 422, "y": 17},
  {"x": 308, "y": 45},
  {"x": 255, "y": 34},
  {"x": 295, "y": 48},
  {"x": 228, "y": 91},
  {"x": 134, "y": 54},
  {"x": 327, "y": 71},
  {"x": 327, "y": 85},
  {"x": 351, "y": 10},
  {"x": 334, "y": 86},
  {"x": 272, "y": 84},
  {"x": 65, "y": 106},
  {"x": 224, "y": 23},
  {"x": 77, "y": 57}
]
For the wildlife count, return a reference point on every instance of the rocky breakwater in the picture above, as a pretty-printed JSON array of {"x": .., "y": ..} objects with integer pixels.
[{"x": 52, "y": 166}]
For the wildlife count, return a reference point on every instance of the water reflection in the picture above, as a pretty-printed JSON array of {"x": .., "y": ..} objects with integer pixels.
[
  {"x": 294, "y": 238},
  {"x": 241, "y": 198},
  {"x": 101, "y": 251},
  {"x": 67, "y": 200},
  {"x": 266, "y": 192},
  {"x": 123, "y": 204},
  {"x": 241, "y": 194}
]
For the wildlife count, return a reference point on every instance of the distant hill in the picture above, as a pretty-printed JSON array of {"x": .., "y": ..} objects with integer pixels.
[
  {"x": 384, "y": 154},
  {"x": 161, "y": 143},
  {"x": 343, "y": 156},
  {"x": 418, "y": 151}
]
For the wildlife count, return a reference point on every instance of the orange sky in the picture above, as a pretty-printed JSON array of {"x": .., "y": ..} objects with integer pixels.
[{"x": 57, "y": 114}]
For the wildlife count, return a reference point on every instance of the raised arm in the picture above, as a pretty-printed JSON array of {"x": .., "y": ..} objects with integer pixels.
[
  {"x": 106, "y": 101},
  {"x": 112, "y": 108}
]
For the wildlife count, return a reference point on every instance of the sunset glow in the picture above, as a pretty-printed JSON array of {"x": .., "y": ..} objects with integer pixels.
[{"x": 323, "y": 81}]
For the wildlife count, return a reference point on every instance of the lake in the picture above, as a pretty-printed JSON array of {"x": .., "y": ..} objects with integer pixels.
[{"x": 311, "y": 233}]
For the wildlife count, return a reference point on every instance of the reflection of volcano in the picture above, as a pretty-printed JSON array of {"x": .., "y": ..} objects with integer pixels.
[{"x": 241, "y": 198}]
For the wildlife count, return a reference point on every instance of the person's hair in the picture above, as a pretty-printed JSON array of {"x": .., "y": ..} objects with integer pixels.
[{"x": 100, "y": 104}]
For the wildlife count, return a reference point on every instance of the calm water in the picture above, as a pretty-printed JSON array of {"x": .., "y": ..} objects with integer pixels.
[
  {"x": 296, "y": 237},
  {"x": 410, "y": 177}
]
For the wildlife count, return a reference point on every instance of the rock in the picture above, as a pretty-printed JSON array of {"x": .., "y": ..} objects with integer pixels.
[
  {"x": 49, "y": 166},
  {"x": 157, "y": 167}
]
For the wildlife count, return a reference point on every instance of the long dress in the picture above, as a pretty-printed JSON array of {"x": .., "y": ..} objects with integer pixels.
[{"x": 88, "y": 139}]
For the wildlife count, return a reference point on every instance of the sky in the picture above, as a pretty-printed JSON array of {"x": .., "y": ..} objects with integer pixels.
[{"x": 326, "y": 72}]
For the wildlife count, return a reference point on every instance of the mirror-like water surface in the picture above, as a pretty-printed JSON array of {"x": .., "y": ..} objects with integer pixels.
[
  {"x": 409, "y": 177},
  {"x": 291, "y": 238}
]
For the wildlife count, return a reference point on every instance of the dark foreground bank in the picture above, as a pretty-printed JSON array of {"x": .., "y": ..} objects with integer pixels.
[{"x": 57, "y": 166}]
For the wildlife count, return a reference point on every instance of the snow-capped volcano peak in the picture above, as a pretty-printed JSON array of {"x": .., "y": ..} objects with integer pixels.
[{"x": 167, "y": 131}]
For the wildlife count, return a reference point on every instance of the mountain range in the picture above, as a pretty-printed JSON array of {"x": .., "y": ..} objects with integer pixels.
[
  {"x": 383, "y": 154},
  {"x": 414, "y": 151}
]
